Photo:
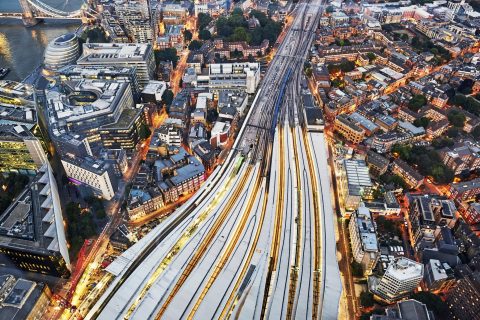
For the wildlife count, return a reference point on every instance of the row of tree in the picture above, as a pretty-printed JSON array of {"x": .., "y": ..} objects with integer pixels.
[
  {"x": 426, "y": 160},
  {"x": 235, "y": 27}
]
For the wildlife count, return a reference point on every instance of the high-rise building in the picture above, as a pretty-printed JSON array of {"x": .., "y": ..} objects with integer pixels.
[
  {"x": 121, "y": 55},
  {"x": 118, "y": 74},
  {"x": 31, "y": 229},
  {"x": 22, "y": 298},
  {"x": 243, "y": 76},
  {"x": 438, "y": 276},
  {"x": 355, "y": 183},
  {"x": 140, "y": 31},
  {"x": 61, "y": 52},
  {"x": 20, "y": 150},
  {"x": 363, "y": 239},
  {"x": 125, "y": 132},
  {"x": 427, "y": 215},
  {"x": 98, "y": 175},
  {"x": 464, "y": 299},
  {"x": 401, "y": 278}
]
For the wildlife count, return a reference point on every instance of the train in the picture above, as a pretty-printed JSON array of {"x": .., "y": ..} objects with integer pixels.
[{"x": 278, "y": 103}]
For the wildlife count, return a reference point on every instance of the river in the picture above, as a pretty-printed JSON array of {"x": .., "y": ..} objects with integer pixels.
[{"x": 21, "y": 49}]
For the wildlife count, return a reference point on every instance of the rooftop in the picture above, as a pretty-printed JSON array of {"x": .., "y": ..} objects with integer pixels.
[
  {"x": 93, "y": 52},
  {"x": 405, "y": 269},
  {"x": 357, "y": 176},
  {"x": 31, "y": 222},
  {"x": 20, "y": 298},
  {"x": 366, "y": 229}
]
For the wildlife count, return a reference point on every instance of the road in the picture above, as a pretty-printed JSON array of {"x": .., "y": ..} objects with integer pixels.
[{"x": 213, "y": 257}]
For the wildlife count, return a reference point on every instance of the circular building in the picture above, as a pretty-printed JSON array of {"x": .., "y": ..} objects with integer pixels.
[{"x": 61, "y": 52}]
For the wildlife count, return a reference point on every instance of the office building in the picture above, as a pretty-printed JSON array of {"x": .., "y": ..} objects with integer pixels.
[
  {"x": 125, "y": 132},
  {"x": 16, "y": 95},
  {"x": 61, "y": 52},
  {"x": 153, "y": 91},
  {"x": 427, "y": 215},
  {"x": 78, "y": 111},
  {"x": 438, "y": 276},
  {"x": 169, "y": 135},
  {"x": 97, "y": 175},
  {"x": 363, "y": 238},
  {"x": 464, "y": 299},
  {"x": 355, "y": 184},
  {"x": 87, "y": 105},
  {"x": 140, "y": 30},
  {"x": 401, "y": 278},
  {"x": 173, "y": 13},
  {"x": 231, "y": 76},
  {"x": 111, "y": 73},
  {"x": 31, "y": 229},
  {"x": 20, "y": 150},
  {"x": 23, "y": 299},
  {"x": 135, "y": 55}
]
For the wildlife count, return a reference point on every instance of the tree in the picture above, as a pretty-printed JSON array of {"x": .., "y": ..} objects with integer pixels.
[
  {"x": 342, "y": 42},
  {"x": 476, "y": 132},
  {"x": 169, "y": 54},
  {"x": 204, "y": 35},
  {"x": 13, "y": 184},
  {"x": 456, "y": 118},
  {"x": 261, "y": 17},
  {"x": 94, "y": 35},
  {"x": 236, "y": 54},
  {"x": 442, "y": 142},
  {"x": 404, "y": 37},
  {"x": 212, "y": 115},
  {"x": 366, "y": 299},
  {"x": 329, "y": 9},
  {"x": 187, "y": 35},
  {"x": 251, "y": 58},
  {"x": 167, "y": 97},
  {"x": 240, "y": 34},
  {"x": 421, "y": 122},
  {"x": 144, "y": 132},
  {"x": 80, "y": 226},
  {"x": 465, "y": 86},
  {"x": 337, "y": 83},
  {"x": 195, "y": 45},
  {"x": 402, "y": 150},
  {"x": 357, "y": 269},
  {"x": 203, "y": 20},
  {"x": 371, "y": 56},
  {"x": 387, "y": 226},
  {"x": 417, "y": 102},
  {"x": 308, "y": 72},
  {"x": 453, "y": 132}
]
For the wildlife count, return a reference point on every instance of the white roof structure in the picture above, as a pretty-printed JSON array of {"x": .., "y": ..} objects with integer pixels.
[{"x": 404, "y": 269}]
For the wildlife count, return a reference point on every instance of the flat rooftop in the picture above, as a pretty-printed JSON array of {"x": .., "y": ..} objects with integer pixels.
[{"x": 29, "y": 222}]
